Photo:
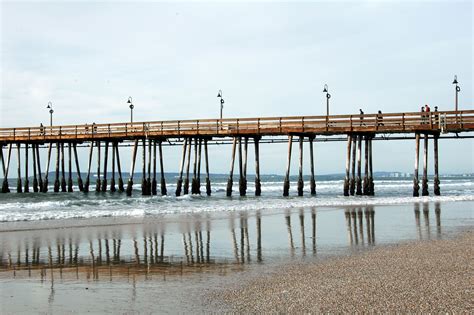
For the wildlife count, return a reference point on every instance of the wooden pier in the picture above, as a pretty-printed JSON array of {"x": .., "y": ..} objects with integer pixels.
[{"x": 195, "y": 135}]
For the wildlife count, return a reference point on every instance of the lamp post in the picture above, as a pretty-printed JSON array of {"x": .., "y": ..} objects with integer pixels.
[
  {"x": 458, "y": 89},
  {"x": 131, "y": 108},
  {"x": 328, "y": 96},
  {"x": 221, "y": 101},
  {"x": 51, "y": 111}
]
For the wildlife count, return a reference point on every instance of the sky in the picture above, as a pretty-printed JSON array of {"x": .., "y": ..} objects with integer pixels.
[{"x": 269, "y": 58}]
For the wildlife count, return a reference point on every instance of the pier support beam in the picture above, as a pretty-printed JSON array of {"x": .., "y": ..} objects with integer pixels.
[
  {"x": 359, "y": 157},
  {"x": 69, "y": 178},
  {"x": 286, "y": 184},
  {"x": 258, "y": 186},
  {"x": 38, "y": 165},
  {"x": 300, "y": 171},
  {"x": 188, "y": 163},
  {"x": 35, "y": 178},
  {"x": 354, "y": 148},
  {"x": 86, "y": 186},
  {"x": 121, "y": 187},
  {"x": 437, "y": 191},
  {"x": 348, "y": 163},
  {"x": 144, "y": 186},
  {"x": 5, "y": 188},
  {"x": 312, "y": 181},
  {"x": 424, "y": 185},
  {"x": 194, "y": 183},
  {"x": 181, "y": 169},
  {"x": 208, "y": 180},
  {"x": 78, "y": 170},
  {"x": 46, "y": 174},
  {"x": 371, "y": 170},
  {"x": 241, "y": 170},
  {"x": 153, "y": 181},
  {"x": 106, "y": 157},
  {"x": 366, "y": 184},
  {"x": 56, "y": 179},
  {"x": 245, "y": 152},
  {"x": 230, "y": 181},
  {"x": 164, "y": 191},
  {"x": 19, "y": 188},
  {"x": 416, "y": 186},
  {"x": 97, "y": 184},
  {"x": 112, "y": 179},
  {"x": 132, "y": 169},
  {"x": 63, "y": 171},
  {"x": 151, "y": 146},
  {"x": 26, "y": 187}
]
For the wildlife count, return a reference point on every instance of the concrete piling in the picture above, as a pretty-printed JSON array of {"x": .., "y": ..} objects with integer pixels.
[
  {"x": 106, "y": 157},
  {"x": 5, "y": 186},
  {"x": 300, "y": 170},
  {"x": 46, "y": 174},
  {"x": 312, "y": 180},
  {"x": 63, "y": 171},
  {"x": 241, "y": 170},
  {"x": 86, "y": 186},
  {"x": 416, "y": 186},
  {"x": 353, "y": 181},
  {"x": 348, "y": 161},
  {"x": 181, "y": 168},
  {"x": 56, "y": 179},
  {"x": 359, "y": 157},
  {"x": 365, "y": 186},
  {"x": 19, "y": 188},
  {"x": 97, "y": 184},
  {"x": 69, "y": 178},
  {"x": 437, "y": 191},
  {"x": 132, "y": 169},
  {"x": 188, "y": 163},
  {"x": 112, "y": 179},
  {"x": 258, "y": 186},
  {"x": 38, "y": 165},
  {"x": 144, "y": 186},
  {"x": 35, "y": 178},
  {"x": 231, "y": 173},
  {"x": 78, "y": 170},
  {"x": 424, "y": 185},
  {"x": 119, "y": 169},
  {"x": 153, "y": 181},
  {"x": 27, "y": 181},
  {"x": 286, "y": 184},
  {"x": 208, "y": 180},
  {"x": 163, "y": 189}
]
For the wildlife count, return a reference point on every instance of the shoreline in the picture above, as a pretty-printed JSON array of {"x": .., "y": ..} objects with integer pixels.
[{"x": 413, "y": 276}]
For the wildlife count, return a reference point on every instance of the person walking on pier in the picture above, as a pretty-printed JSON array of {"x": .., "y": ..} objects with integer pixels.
[{"x": 427, "y": 114}]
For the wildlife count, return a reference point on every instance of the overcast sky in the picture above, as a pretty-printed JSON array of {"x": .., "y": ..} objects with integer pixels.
[{"x": 269, "y": 58}]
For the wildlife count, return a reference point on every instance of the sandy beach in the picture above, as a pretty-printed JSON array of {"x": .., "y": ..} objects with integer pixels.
[{"x": 426, "y": 276}]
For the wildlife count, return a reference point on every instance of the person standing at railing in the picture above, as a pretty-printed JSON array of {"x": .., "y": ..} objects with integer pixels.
[
  {"x": 427, "y": 111},
  {"x": 361, "y": 117},
  {"x": 379, "y": 118},
  {"x": 422, "y": 115},
  {"x": 41, "y": 129},
  {"x": 436, "y": 116},
  {"x": 94, "y": 128}
]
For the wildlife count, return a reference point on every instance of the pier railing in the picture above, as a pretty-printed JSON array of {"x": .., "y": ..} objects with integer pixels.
[{"x": 446, "y": 121}]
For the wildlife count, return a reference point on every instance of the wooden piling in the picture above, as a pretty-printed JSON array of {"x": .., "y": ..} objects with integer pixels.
[
  {"x": 354, "y": 148},
  {"x": 188, "y": 163},
  {"x": 366, "y": 173},
  {"x": 69, "y": 178},
  {"x": 153, "y": 181},
  {"x": 27, "y": 181},
  {"x": 78, "y": 170},
  {"x": 437, "y": 191},
  {"x": 181, "y": 169},
  {"x": 38, "y": 165},
  {"x": 194, "y": 180},
  {"x": 144, "y": 186},
  {"x": 416, "y": 186},
  {"x": 56, "y": 179},
  {"x": 286, "y": 184},
  {"x": 86, "y": 186},
  {"x": 119, "y": 169},
  {"x": 106, "y": 157},
  {"x": 312, "y": 181},
  {"x": 424, "y": 185},
  {"x": 148, "y": 174},
  {"x": 208, "y": 180},
  {"x": 371, "y": 170},
  {"x": 97, "y": 185},
  {"x": 63, "y": 171},
  {"x": 132, "y": 169},
  {"x": 112, "y": 179},
  {"x": 46, "y": 174},
  {"x": 19, "y": 188},
  {"x": 359, "y": 157},
  {"x": 348, "y": 163},
  {"x": 241, "y": 170},
  {"x": 300, "y": 170},
  {"x": 5, "y": 187},
  {"x": 35, "y": 178},
  {"x": 164, "y": 191},
  {"x": 198, "y": 186},
  {"x": 258, "y": 187},
  {"x": 231, "y": 173},
  {"x": 246, "y": 144}
]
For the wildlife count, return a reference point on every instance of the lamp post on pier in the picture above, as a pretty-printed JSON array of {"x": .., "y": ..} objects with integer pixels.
[
  {"x": 328, "y": 96},
  {"x": 219, "y": 94},
  {"x": 51, "y": 111},
  {"x": 131, "y": 108},
  {"x": 458, "y": 89}
]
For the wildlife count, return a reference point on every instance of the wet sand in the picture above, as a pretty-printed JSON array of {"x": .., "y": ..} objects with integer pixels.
[{"x": 425, "y": 276}]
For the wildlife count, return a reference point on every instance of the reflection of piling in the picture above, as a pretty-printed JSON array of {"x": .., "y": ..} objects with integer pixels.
[
  {"x": 259, "y": 236},
  {"x": 303, "y": 243},
  {"x": 438, "y": 218},
  {"x": 313, "y": 236},
  {"x": 290, "y": 233}
]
